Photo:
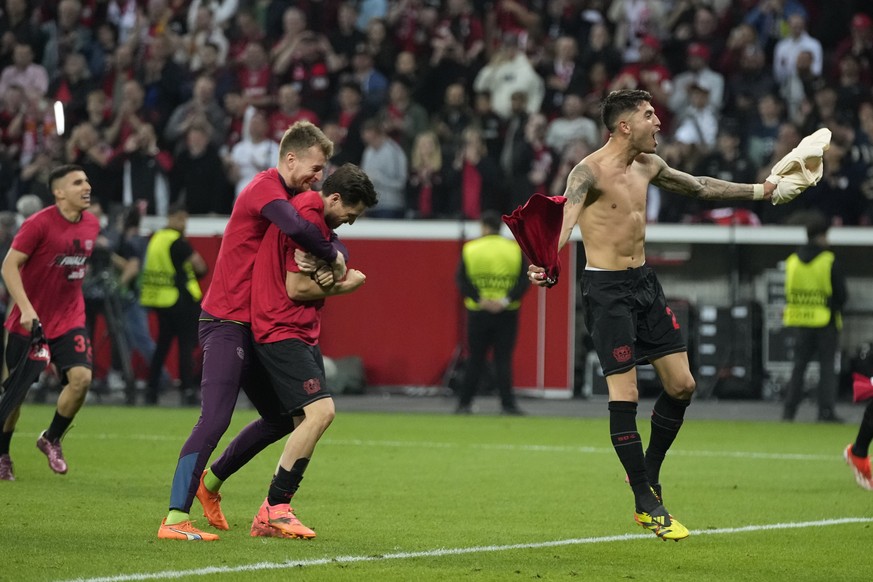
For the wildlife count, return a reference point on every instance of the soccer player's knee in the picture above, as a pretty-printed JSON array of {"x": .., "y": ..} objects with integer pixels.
[
  {"x": 322, "y": 412},
  {"x": 684, "y": 387},
  {"x": 79, "y": 378}
]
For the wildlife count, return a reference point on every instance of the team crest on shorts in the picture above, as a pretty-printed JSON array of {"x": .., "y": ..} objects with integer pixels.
[
  {"x": 241, "y": 353},
  {"x": 622, "y": 354},
  {"x": 312, "y": 386}
]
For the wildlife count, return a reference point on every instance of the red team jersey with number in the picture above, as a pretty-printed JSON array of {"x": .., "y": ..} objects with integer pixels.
[
  {"x": 57, "y": 251},
  {"x": 275, "y": 317},
  {"x": 229, "y": 294}
]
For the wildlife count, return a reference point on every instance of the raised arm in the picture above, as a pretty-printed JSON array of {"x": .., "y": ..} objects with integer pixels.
[
  {"x": 706, "y": 188},
  {"x": 579, "y": 182}
]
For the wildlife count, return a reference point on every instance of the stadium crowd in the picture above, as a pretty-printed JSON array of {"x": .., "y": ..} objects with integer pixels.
[{"x": 452, "y": 107}]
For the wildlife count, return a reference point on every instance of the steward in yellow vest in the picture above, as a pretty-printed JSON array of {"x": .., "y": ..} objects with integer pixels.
[
  {"x": 492, "y": 277},
  {"x": 815, "y": 292},
  {"x": 169, "y": 286}
]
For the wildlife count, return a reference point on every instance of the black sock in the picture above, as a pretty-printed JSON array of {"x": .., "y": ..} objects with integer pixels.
[
  {"x": 865, "y": 433},
  {"x": 667, "y": 416},
  {"x": 286, "y": 482},
  {"x": 629, "y": 448},
  {"x": 58, "y": 427},
  {"x": 5, "y": 439}
]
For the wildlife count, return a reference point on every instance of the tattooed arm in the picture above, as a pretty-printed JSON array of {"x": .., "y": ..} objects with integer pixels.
[
  {"x": 579, "y": 181},
  {"x": 704, "y": 187}
]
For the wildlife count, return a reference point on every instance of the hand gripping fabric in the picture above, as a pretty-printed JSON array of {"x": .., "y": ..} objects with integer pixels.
[
  {"x": 26, "y": 371},
  {"x": 801, "y": 168},
  {"x": 537, "y": 228}
]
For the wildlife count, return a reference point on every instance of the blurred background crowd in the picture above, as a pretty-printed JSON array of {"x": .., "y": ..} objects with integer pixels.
[{"x": 452, "y": 106}]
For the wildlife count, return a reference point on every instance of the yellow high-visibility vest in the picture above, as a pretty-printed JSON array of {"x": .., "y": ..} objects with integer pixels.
[
  {"x": 159, "y": 275},
  {"x": 493, "y": 264},
  {"x": 808, "y": 291}
]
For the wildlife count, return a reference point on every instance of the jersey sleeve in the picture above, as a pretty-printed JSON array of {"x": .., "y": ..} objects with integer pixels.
[
  {"x": 305, "y": 233},
  {"x": 29, "y": 236}
]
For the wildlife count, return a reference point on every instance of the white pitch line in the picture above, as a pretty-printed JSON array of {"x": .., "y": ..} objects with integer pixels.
[{"x": 261, "y": 566}]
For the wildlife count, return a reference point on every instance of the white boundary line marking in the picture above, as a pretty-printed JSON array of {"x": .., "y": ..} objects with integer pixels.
[
  {"x": 495, "y": 447},
  {"x": 261, "y": 566}
]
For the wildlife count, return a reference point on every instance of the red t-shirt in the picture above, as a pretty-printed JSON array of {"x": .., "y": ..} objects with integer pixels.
[
  {"x": 57, "y": 252},
  {"x": 275, "y": 317},
  {"x": 229, "y": 293}
]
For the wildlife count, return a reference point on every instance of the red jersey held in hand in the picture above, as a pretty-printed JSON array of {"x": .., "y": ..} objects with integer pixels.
[{"x": 57, "y": 251}]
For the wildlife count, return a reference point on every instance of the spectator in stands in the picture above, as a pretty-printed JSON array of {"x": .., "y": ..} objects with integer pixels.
[
  {"x": 788, "y": 49},
  {"x": 699, "y": 73},
  {"x": 64, "y": 36},
  {"x": 350, "y": 118},
  {"x": 368, "y": 10},
  {"x": 475, "y": 177},
  {"x": 460, "y": 37},
  {"x": 222, "y": 11},
  {"x": 740, "y": 39},
  {"x": 650, "y": 74},
  {"x": 560, "y": 73},
  {"x": 859, "y": 44},
  {"x": 799, "y": 87},
  {"x": 254, "y": 77},
  {"x": 13, "y": 110},
  {"x": 515, "y": 148},
  {"x": 145, "y": 170},
  {"x": 288, "y": 112},
  {"x": 198, "y": 178},
  {"x": 571, "y": 125},
  {"x": 17, "y": 26},
  {"x": 509, "y": 71},
  {"x": 760, "y": 135},
  {"x": 838, "y": 195},
  {"x": 293, "y": 33},
  {"x": 31, "y": 77},
  {"x": 202, "y": 107},
  {"x": 381, "y": 46},
  {"x": 202, "y": 29},
  {"x": 769, "y": 17},
  {"x": 748, "y": 86},
  {"x": 403, "y": 118},
  {"x": 600, "y": 49},
  {"x": 122, "y": 68},
  {"x": 539, "y": 160},
  {"x": 239, "y": 112},
  {"x": 452, "y": 118},
  {"x": 697, "y": 124},
  {"x": 787, "y": 137},
  {"x": 427, "y": 194},
  {"x": 71, "y": 87},
  {"x": 87, "y": 148},
  {"x": 634, "y": 21},
  {"x": 256, "y": 152},
  {"x": 310, "y": 72},
  {"x": 850, "y": 88},
  {"x": 373, "y": 84},
  {"x": 489, "y": 123},
  {"x": 210, "y": 65},
  {"x": 574, "y": 152},
  {"x": 165, "y": 82},
  {"x": 345, "y": 38},
  {"x": 246, "y": 28},
  {"x": 385, "y": 163}
]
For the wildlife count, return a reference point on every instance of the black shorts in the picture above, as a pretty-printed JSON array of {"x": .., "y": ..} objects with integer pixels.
[
  {"x": 67, "y": 351},
  {"x": 296, "y": 371},
  {"x": 628, "y": 318}
]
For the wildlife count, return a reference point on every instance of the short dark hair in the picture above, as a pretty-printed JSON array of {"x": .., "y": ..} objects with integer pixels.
[
  {"x": 353, "y": 186},
  {"x": 492, "y": 220},
  {"x": 62, "y": 171},
  {"x": 619, "y": 102},
  {"x": 176, "y": 208},
  {"x": 816, "y": 225}
]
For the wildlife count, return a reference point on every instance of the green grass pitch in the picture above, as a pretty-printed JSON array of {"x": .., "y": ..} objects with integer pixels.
[{"x": 417, "y": 497}]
